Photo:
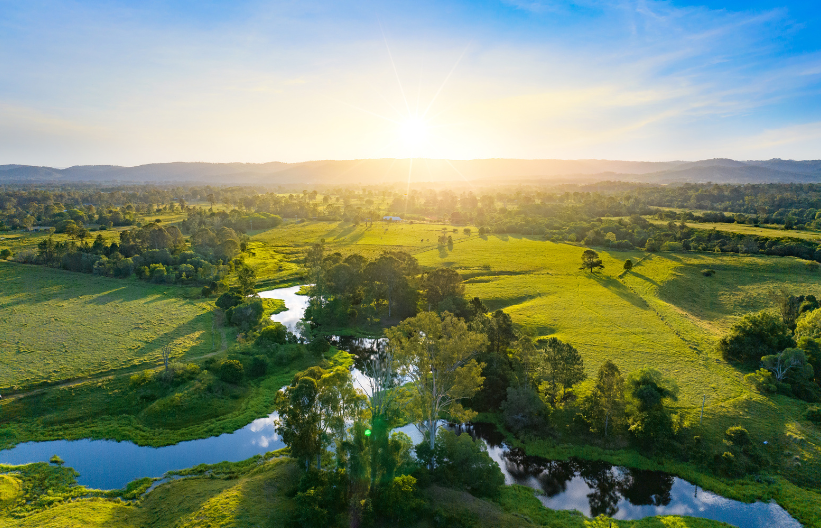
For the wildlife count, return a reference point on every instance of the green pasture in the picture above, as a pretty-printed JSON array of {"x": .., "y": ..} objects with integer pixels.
[
  {"x": 772, "y": 231},
  {"x": 58, "y": 325}
]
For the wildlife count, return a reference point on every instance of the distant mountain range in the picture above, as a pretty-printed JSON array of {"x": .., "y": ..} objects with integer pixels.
[{"x": 374, "y": 171}]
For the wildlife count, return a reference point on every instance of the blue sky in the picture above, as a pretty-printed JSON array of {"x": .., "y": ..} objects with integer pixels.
[{"x": 138, "y": 82}]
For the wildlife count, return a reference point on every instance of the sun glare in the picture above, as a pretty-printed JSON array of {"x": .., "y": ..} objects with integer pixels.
[{"x": 413, "y": 131}]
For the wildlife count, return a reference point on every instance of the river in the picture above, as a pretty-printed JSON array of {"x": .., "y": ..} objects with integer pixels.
[{"x": 592, "y": 488}]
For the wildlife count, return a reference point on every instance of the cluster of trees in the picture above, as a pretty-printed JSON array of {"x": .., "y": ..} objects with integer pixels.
[
  {"x": 352, "y": 289},
  {"x": 784, "y": 347},
  {"x": 199, "y": 219},
  {"x": 370, "y": 476},
  {"x": 152, "y": 252}
]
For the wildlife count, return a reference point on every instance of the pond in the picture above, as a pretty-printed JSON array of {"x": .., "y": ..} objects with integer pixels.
[{"x": 592, "y": 488}]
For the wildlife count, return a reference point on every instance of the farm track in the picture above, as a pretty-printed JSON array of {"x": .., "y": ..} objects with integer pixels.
[{"x": 105, "y": 376}]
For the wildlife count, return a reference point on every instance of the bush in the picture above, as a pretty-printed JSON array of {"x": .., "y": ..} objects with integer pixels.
[
  {"x": 708, "y": 272},
  {"x": 231, "y": 371},
  {"x": 762, "y": 379},
  {"x": 258, "y": 368},
  {"x": 461, "y": 462},
  {"x": 180, "y": 372},
  {"x": 738, "y": 436},
  {"x": 318, "y": 346},
  {"x": 275, "y": 334},
  {"x": 672, "y": 246},
  {"x": 6, "y": 254},
  {"x": 814, "y": 415},
  {"x": 756, "y": 335},
  {"x": 247, "y": 315},
  {"x": 466, "y": 231},
  {"x": 397, "y": 501},
  {"x": 228, "y": 300}
]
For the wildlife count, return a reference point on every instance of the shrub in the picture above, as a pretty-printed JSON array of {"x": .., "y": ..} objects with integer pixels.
[
  {"x": 466, "y": 231},
  {"x": 318, "y": 346},
  {"x": 754, "y": 336},
  {"x": 246, "y": 315},
  {"x": 461, "y": 462},
  {"x": 762, "y": 379},
  {"x": 275, "y": 334},
  {"x": 738, "y": 436},
  {"x": 231, "y": 371},
  {"x": 6, "y": 254},
  {"x": 258, "y": 368},
  {"x": 672, "y": 246},
  {"x": 708, "y": 272},
  {"x": 228, "y": 300},
  {"x": 180, "y": 372},
  {"x": 628, "y": 265},
  {"x": 397, "y": 501},
  {"x": 814, "y": 415}
]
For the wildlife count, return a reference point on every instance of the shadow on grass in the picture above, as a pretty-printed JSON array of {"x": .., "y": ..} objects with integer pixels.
[{"x": 617, "y": 287}]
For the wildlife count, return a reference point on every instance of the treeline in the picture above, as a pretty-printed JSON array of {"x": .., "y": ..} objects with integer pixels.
[
  {"x": 153, "y": 252},
  {"x": 784, "y": 347}
]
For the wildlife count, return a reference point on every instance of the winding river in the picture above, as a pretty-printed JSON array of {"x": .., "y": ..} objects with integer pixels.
[{"x": 592, "y": 488}]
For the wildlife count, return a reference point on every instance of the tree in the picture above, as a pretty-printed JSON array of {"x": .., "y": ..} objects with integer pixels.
[
  {"x": 650, "y": 421},
  {"x": 755, "y": 335},
  {"x": 591, "y": 260},
  {"x": 561, "y": 367},
  {"x": 247, "y": 279},
  {"x": 210, "y": 198},
  {"x": 436, "y": 355},
  {"x": 789, "y": 361},
  {"x": 499, "y": 332},
  {"x": 440, "y": 284},
  {"x": 628, "y": 265},
  {"x": 809, "y": 325},
  {"x": 605, "y": 403},
  {"x": 788, "y": 305},
  {"x": 610, "y": 237},
  {"x": 313, "y": 411}
]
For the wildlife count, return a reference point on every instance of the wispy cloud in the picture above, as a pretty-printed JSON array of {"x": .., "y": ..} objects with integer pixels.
[{"x": 258, "y": 81}]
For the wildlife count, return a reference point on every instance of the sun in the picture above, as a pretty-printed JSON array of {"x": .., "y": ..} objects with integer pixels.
[{"x": 414, "y": 132}]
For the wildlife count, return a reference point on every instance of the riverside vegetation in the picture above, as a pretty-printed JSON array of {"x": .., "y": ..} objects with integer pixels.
[{"x": 569, "y": 353}]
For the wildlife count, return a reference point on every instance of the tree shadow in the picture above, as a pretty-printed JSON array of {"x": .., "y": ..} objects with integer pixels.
[
  {"x": 644, "y": 278},
  {"x": 617, "y": 287}
]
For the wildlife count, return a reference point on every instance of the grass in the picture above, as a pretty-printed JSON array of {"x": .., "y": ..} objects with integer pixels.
[
  {"x": 154, "y": 414},
  {"x": 772, "y": 231},
  {"x": 59, "y": 325}
]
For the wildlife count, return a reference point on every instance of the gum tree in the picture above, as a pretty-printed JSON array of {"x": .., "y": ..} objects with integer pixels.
[{"x": 436, "y": 355}]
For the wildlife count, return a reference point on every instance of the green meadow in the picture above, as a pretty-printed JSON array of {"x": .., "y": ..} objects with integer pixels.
[
  {"x": 59, "y": 325},
  {"x": 771, "y": 231}
]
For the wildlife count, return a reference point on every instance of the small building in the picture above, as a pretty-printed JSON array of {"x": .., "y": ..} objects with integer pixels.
[{"x": 392, "y": 218}]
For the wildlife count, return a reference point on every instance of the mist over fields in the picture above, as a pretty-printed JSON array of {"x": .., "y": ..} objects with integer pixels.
[{"x": 371, "y": 171}]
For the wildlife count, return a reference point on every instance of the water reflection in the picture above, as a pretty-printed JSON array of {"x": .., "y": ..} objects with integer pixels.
[
  {"x": 596, "y": 488},
  {"x": 107, "y": 464}
]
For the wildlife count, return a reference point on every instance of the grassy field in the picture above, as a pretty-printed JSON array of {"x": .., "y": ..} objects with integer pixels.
[
  {"x": 773, "y": 231},
  {"x": 58, "y": 325}
]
